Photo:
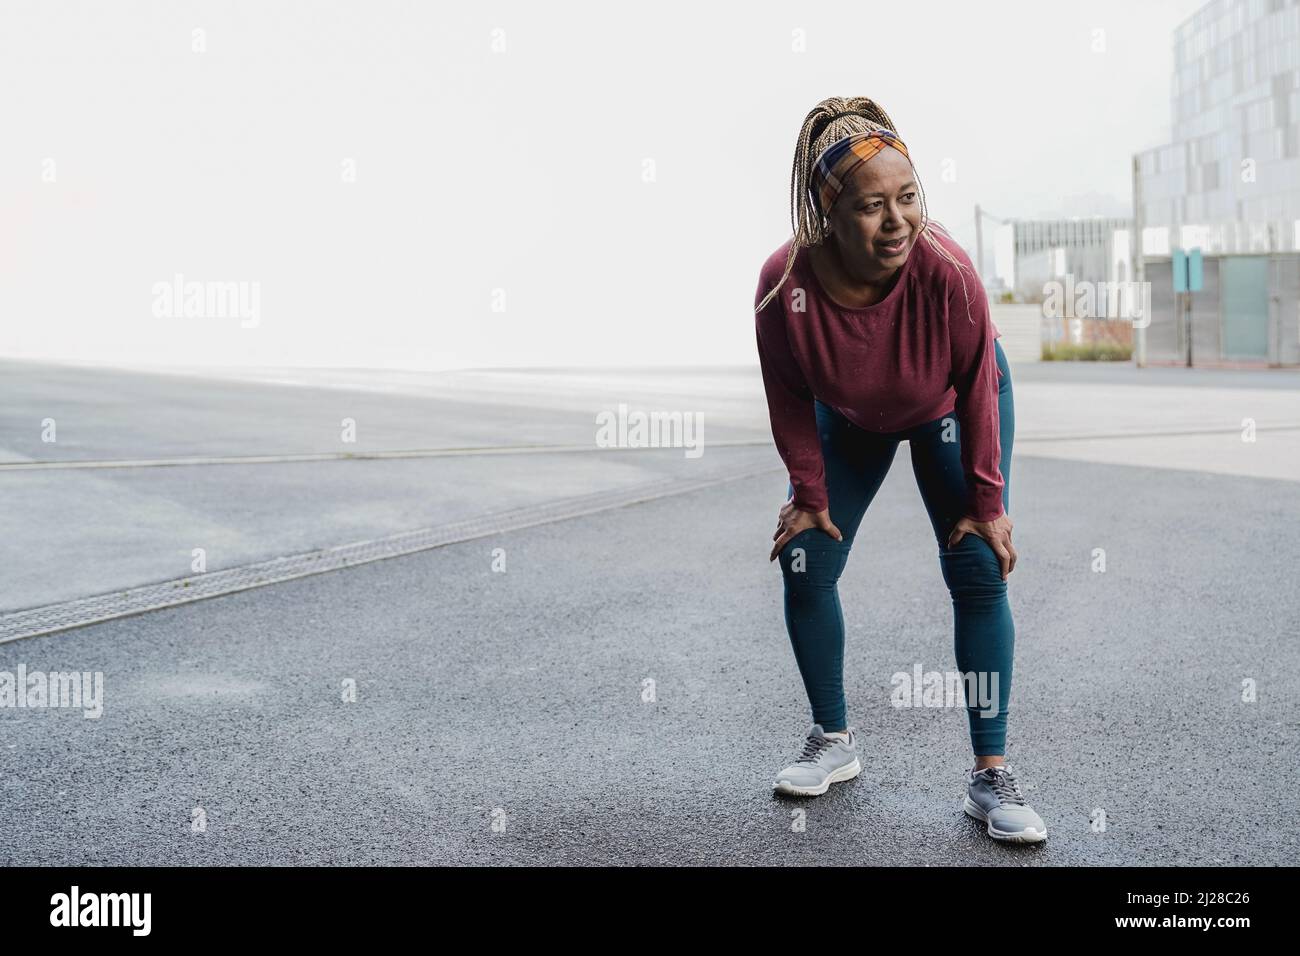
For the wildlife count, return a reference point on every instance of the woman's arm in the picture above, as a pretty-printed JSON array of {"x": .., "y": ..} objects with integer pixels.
[
  {"x": 975, "y": 379},
  {"x": 790, "y": 407}
]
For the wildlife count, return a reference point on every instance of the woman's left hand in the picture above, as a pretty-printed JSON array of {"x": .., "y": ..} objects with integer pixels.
[{"x": 996, "y": 532}]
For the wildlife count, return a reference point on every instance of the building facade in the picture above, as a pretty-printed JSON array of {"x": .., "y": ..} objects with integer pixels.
[
  {"x": 1229, "y": 184},
  {"x": 1230, "y": 180},
  {"x": 1029, "y": 253}
]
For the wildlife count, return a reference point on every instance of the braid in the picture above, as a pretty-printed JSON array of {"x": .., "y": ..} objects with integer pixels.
[{"x": 830, "y": 121}]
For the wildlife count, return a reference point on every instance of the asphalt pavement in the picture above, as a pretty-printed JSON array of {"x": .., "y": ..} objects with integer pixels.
[{"x": 619, "y": 688}]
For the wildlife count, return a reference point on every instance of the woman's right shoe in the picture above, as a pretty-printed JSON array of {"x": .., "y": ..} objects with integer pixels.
[{"x": 823, "y": 761}]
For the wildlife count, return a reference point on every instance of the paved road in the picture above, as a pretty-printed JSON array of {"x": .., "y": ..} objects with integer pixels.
[
  {"x": 71, "y": 532},
  {"x": 67, "y": 533},
  {"x": 522, "y": 691},
  {"x": 516, "y": 697}
]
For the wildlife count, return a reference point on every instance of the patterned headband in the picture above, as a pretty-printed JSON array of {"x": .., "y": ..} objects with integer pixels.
[{"x": 838, "y": 161}]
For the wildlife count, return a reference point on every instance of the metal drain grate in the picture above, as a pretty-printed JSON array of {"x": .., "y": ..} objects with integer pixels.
[{"x": 106, "y": 607}]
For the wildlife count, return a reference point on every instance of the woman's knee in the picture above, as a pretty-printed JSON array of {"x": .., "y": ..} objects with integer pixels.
[
  {"x": 972, "y": 570},
  {"x": 812, "y": 558}
]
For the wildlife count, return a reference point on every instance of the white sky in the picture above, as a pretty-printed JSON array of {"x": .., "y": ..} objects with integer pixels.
[{"x": 518, "y": 170}]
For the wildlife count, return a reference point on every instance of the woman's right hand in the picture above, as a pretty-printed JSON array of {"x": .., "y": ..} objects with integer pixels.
[{"x": 792, "y": 521}]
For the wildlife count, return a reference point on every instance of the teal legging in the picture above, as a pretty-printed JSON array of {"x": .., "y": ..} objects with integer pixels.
[{"x": 856, "y": 462}]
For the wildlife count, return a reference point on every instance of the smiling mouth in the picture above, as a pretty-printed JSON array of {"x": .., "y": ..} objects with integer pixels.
[{"x": 894, "y": 246}]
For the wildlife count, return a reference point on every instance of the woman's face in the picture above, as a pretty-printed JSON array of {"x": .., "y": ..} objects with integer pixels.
[{"x": 877, "y": 216}]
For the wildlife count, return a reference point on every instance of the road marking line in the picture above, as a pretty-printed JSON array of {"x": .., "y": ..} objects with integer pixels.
[{"x": 1176, "y": 433}]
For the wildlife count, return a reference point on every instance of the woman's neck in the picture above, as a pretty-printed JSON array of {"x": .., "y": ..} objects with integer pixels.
[{"x": 854, "y": 291}]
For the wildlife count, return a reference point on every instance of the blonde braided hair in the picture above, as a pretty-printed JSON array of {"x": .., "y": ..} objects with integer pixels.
[{"x": 819, "y": 131}]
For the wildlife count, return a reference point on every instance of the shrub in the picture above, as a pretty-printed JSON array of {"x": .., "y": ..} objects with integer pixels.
[{"x": 1086, "y": 352}]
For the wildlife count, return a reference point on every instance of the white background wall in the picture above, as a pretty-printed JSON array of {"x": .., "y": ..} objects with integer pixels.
[{"x": 520, "y": 169}]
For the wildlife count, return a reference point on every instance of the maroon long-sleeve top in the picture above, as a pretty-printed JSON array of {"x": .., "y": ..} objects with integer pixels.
[{"x": 923, "y": 352}]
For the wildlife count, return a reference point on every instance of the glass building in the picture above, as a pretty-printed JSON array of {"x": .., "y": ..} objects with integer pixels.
[
  {"x": 1230, "y": 180},
  {"x": 1228, "y": 184}
]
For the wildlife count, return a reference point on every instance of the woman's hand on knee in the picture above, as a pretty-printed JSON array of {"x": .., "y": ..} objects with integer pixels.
[
  {"x": 996, "y": 532},
  {"x": 792, "y": 521}
]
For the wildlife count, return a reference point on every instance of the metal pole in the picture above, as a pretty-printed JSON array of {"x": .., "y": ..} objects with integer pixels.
[{"x": 1137, "y": 270}]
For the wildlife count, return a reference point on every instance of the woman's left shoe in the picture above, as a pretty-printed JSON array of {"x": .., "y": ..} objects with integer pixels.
[{"x": 993, "y": 797}]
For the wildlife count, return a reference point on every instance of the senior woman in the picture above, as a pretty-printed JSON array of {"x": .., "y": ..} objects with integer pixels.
[{"x": 873, "y": 329}]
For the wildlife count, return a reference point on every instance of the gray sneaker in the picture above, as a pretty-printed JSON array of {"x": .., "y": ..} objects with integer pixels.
[
  {"x": 993, "y": 797},
  {"x": 824, "y": 761}
]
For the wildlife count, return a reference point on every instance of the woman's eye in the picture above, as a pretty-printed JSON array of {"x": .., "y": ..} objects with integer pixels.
[
  {"x": 908, "y": 197},
  {"x": 871, "y": 207}
]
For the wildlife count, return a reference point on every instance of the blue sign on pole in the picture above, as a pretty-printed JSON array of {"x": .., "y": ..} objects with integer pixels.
[
  {"x": 1180, "y": 270},
  {"x": 1187, "y": 269}
]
